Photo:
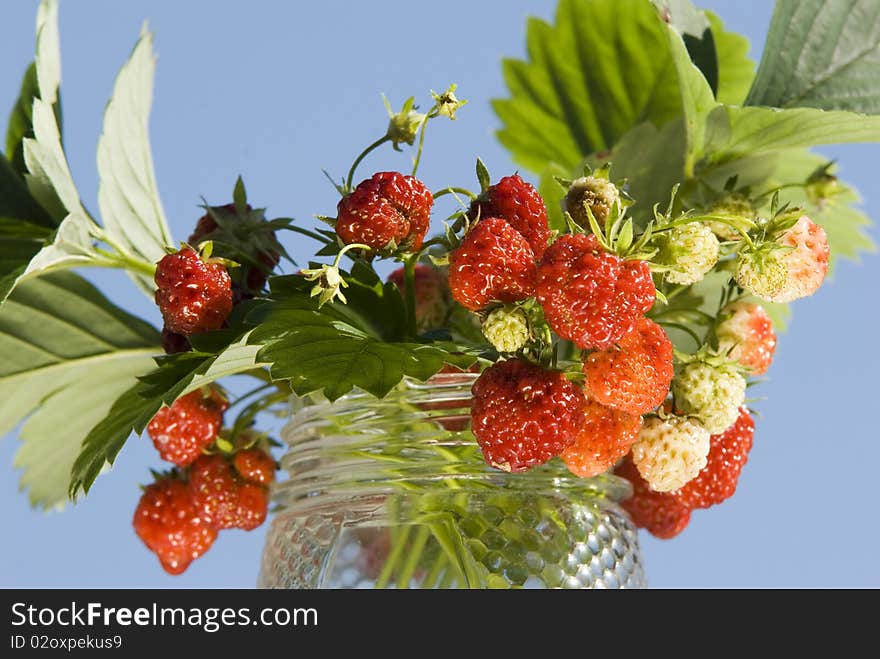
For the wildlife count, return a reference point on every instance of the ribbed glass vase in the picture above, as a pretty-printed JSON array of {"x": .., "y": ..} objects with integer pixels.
[{"x": 395, "y": 493}]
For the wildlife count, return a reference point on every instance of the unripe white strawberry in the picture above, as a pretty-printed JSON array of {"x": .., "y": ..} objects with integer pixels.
[
  {"x": 712, "y": 393},
  {"x": 670, "y": 452},
  {"x": 746, "y": 336},
  {"x": 792, "y": 267},
  {"x": 806, "y": 262},
  {"x": 689, "y": 251},
  {"x": 598, "y": 193},
  {"x": 507, "y": 329},
  {"x": 735, "y": 205}
]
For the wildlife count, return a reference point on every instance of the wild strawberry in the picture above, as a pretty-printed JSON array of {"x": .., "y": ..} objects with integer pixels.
[
  {"x": 687, "y": 251},
  {"x": 224, "y": 497},
  {"x": 792, "y": 267},
  {"x": 492, "y": 263},
  {"x": 507, "y": 328},
  {"x": 173, "y": 343},
  {"x": 180, "y": 432},
  {"x": 633, "y": 375},
  {"x": 520, "y": 205},
  {"x": 387, "y": 211},
  {"x": 213, "y": 486},
  {"x": 807, "y": 261},
  {"x": 728, "y": 454},
  {"x": 594, "y": 192},
  {"x": 255, "y": 465},
  {"x": 660, "y": 513},
  {"x": 670, "y": 452},
  {"x": 606, "y": 436},
  {"x": 732, "y": 205},
  {"x": 522, "y": 415},
  {"x": 247, "y": 239},
  {"x": 169, "y": 524},
  {"x": 253, "y": 506},
  {"x": 432, "y": 295},
  {"x": 590, "y": 296},
  {"x": 712, "y": 393},
  {"x": 193, "y": 295},
  {"x": 746, "y": 336}
]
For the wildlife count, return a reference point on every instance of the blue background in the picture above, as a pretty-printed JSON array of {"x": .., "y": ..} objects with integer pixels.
[{"x": 278, "y": 90}]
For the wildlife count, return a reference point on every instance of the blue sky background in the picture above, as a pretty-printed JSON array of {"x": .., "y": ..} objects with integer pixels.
[{"x": 278, "y": 90}]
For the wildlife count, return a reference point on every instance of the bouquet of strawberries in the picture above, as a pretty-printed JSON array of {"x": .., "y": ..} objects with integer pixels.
[{"x": 616, "y": 314}]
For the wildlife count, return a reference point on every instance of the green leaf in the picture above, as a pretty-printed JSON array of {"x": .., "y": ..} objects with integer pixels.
[
  {"x": 321, "y": 350},
  {"x": 66, "y": 353},
  {"x": 697, "y": 100},
  {"x": 16, "y": 200},
  {"x": 602, "y": 68},
  {"x": 737, "y": 132},
  {"x": 49, "y": 179},
  {"x": 736, "y": 70},
  {"x": 131, "y": 412},
  {"x": 20, "y": 125},
  {"x": 694, "y": 28},
  {"x": 127, "y": 193},
  {"x": 553, "y": 194},
  {"x": 821, "y": 54}
]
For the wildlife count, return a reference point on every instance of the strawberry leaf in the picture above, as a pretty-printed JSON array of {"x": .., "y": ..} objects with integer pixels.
[
  {"x": 127, "y": 192},
  {"x": 66, "y": 353},
  {"x": 340, "y": 347},
  {"x": 175, "y": 376},
  {"x": 736, "y": 70},
  {"x": 821, "y": 54},
  {"x": 588, "y": 79}
]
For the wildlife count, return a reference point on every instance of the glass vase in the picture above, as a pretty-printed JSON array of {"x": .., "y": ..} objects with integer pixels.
[{"x": 395, "y": 493}]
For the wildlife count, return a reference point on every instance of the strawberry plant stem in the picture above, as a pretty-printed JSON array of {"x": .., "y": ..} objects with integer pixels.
[{"x": 354, "y": 166}]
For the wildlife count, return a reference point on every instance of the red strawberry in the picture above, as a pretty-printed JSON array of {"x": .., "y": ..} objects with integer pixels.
[
  {"x": 590, "y": 296},
  {"x": 191, "y": 424},
  {"x": 746, "y": 335},
  {"x": 193, "y": 295},
  {"x": 169, "y": 524},
  {"x": 253, "y": 506},
  {"x": 387, "y": 209},
  {"x": 660, "y": 513},
  {"x": 432, "y": 295},
  {"x": 634, "y": 375},
  {"x": 520, "y": 205},
  {"x": 728, "y": 454},
  {"x": 522, "y": 415},
  {"x": 606, "y": 436},
  {"x": 223, "y": 497},
  {"x": 493, "y": 263},
  {"x": 255, "y": 465}
]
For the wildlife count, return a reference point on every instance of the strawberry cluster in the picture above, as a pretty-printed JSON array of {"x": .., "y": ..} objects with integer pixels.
[
  {"x": 216, "y": 484},
  {"x": 672, "y": 423}
]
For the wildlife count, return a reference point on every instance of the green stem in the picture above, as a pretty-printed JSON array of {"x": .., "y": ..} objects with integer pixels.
[
  {"x": 418, "y": 157},
  {"x": 439, "y": 563},
  {"x": 454, "y": 190},
  {"x": 311, "y": 234},
  {"x": 354, "y": 166},
  {"x": 409, "y": 293},
  {"x": 393, "y": 556},
  {"x": 412, "y": 560},
  {"x": 119, "y": 259}
]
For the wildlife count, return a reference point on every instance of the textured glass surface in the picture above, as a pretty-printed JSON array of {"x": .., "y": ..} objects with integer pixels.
[{"x": 394, "y": 493}]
